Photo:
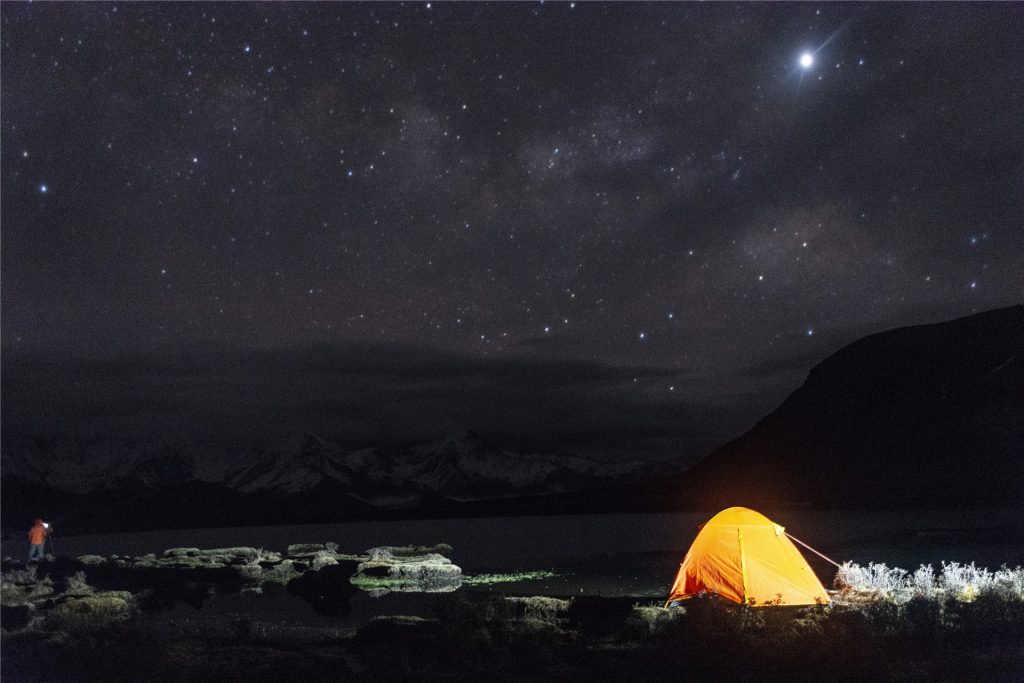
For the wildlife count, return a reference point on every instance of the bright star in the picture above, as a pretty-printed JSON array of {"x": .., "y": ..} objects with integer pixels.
[
  {"x": 43, "y": 189},
  {"x": 806, "y": 60}
]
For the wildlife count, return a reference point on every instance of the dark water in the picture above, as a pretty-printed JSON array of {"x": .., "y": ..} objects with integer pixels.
[{"x": 633, "y": 554}]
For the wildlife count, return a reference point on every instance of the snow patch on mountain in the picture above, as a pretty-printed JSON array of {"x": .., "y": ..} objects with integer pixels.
[{"x": 462, "y": 466}]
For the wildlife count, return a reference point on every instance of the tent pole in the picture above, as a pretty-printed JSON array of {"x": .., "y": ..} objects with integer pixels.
[
  {"x": 811, "y": 549},
  {"x": 743, "y": 565}
]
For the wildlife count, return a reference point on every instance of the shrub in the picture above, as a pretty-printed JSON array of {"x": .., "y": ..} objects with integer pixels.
[
  {"x": 923, "y": 581},
  {"x": 648, "y": 620},
  {"x": 1008, "y": 584},
  {"x": 542, "y": 608},
  {"x": 889, "y": 584},
  {"x": 962, "y": 582}
]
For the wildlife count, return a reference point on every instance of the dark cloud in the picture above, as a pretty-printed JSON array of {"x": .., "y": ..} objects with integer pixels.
[{"x": 361, "y": 395}]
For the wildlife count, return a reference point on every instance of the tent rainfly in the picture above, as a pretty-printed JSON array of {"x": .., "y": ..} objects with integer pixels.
[{"x": 745, "y": 557}]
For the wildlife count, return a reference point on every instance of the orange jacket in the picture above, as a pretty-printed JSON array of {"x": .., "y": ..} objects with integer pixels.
[{"x": 38, "y": 533}]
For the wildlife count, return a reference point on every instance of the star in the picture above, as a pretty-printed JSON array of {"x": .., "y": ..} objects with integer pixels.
[{"x": 584, "y": 191}]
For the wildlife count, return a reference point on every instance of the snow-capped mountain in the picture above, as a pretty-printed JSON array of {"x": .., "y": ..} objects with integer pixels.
[
  {"x": 460, "y": 467},
  {"x": 289, "y": 470}
]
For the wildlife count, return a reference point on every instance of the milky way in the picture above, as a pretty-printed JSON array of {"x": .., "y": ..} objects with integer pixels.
[{"x": 665, "y": 186}]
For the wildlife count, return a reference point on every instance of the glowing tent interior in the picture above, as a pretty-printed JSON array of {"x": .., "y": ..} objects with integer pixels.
[{"x": 745, "y": 557}]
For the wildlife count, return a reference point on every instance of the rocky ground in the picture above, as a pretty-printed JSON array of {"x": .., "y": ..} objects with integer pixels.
[{"x": 97, "y": 618}]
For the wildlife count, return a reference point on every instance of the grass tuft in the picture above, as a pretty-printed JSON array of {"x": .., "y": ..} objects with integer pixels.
[{"x": 488, "y": 579}]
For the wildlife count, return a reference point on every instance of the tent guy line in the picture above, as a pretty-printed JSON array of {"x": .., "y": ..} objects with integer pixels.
[{"x": 827, "y": 559}]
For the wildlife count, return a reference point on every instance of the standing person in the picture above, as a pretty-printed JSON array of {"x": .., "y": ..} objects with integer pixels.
[{"x": 37, "y": 538}]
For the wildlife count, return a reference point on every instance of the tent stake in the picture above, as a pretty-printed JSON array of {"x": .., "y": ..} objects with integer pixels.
[{"x": 811, "y": 549}]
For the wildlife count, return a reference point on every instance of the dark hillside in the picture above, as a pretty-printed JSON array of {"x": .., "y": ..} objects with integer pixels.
[{"x": 927, "y": 415}]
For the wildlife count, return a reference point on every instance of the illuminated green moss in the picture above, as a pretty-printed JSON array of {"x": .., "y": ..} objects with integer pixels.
[{"x": 487, "y": 579}]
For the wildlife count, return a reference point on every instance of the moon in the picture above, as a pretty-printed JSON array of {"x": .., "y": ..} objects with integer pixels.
[{"x": 806, "y": 60}]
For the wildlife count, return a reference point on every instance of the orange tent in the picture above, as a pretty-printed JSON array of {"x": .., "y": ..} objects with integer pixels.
[{"x": 745, "y": 557}]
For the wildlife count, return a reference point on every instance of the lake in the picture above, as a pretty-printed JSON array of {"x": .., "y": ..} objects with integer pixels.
[{"x": 621, "y": 554}]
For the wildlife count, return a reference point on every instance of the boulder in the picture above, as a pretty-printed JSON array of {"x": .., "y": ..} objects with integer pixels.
[
  {"x": 305, "y": 549},
  {"x": 229, "y": 555},
  {"x": 408, "y": 570},
  {"x": 91, "y": 611},
  {"x": 268, "y": 558},
  {"x": 282, "y": 573},
  {"x": 19, "y": 594}
]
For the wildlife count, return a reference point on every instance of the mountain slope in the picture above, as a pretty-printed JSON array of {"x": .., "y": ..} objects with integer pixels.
[{"x": 926, "y": 415}]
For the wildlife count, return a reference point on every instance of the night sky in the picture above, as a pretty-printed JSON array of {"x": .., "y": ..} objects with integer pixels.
[{"x": 665, "y": 212}]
